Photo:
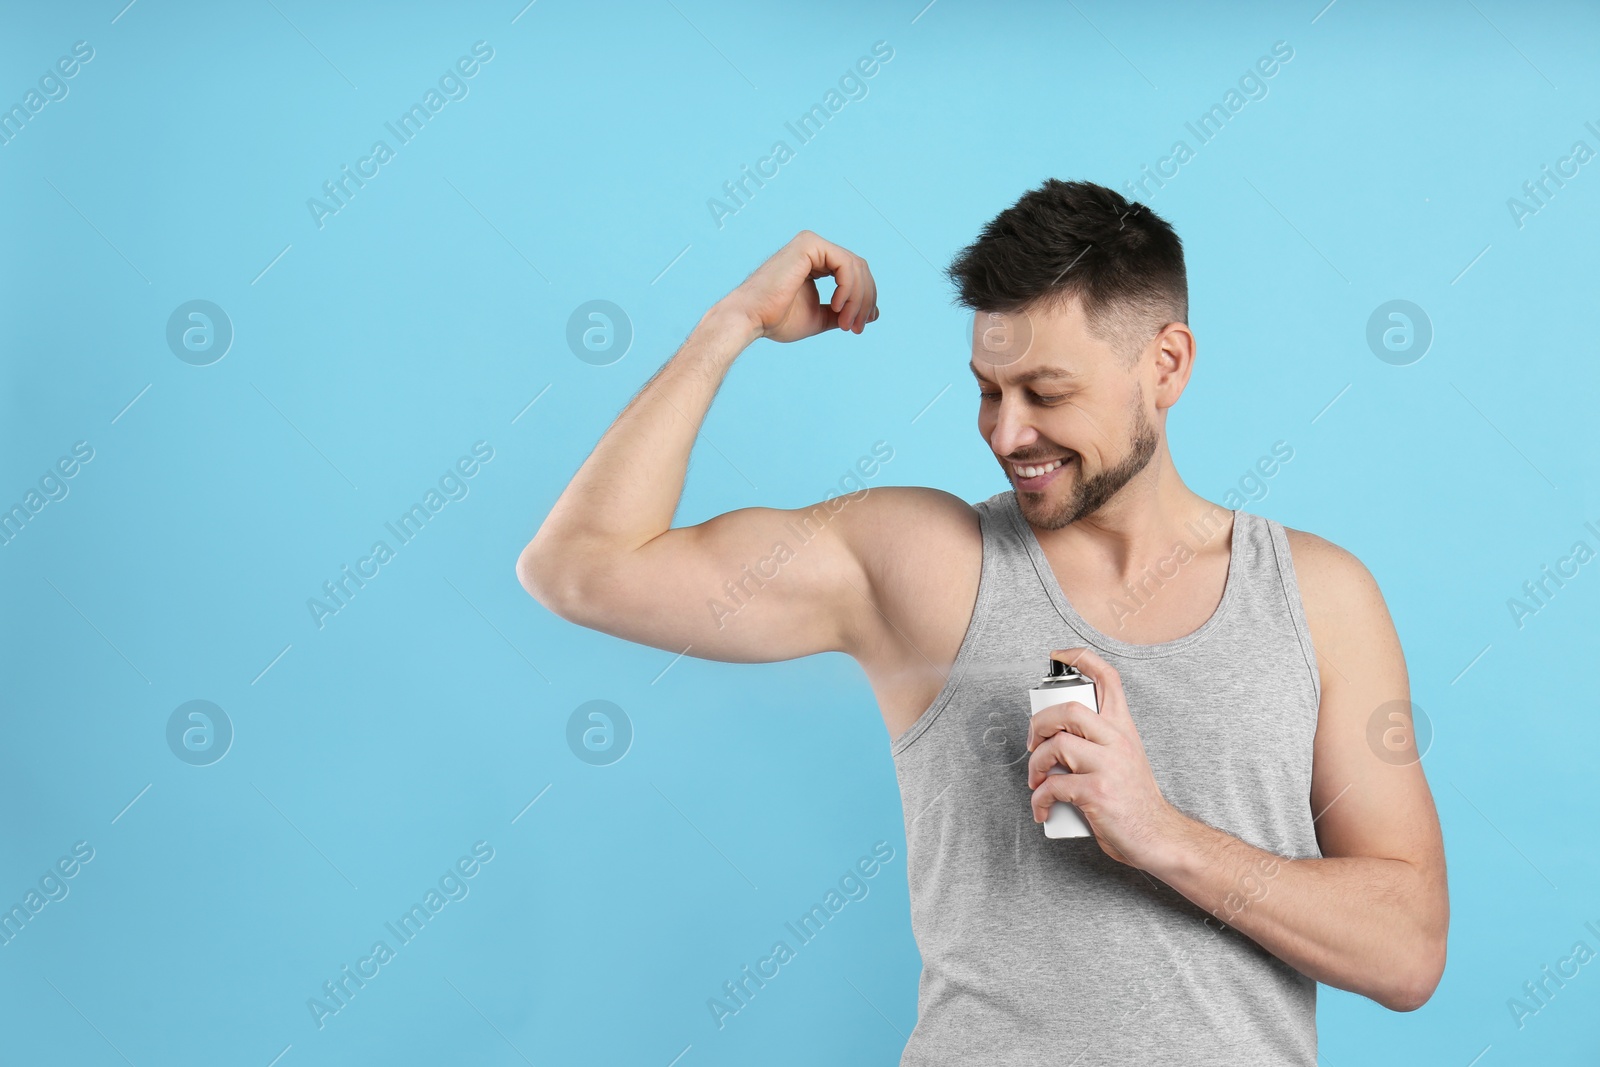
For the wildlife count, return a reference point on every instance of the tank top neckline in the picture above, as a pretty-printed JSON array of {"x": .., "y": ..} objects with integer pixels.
[{"x": 1105, "y": 642}]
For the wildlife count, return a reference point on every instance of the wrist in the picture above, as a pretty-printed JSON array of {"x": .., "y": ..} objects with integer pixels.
[
  {"x": 729, "y": 326},
  {"x": 1171, "y": 846}
]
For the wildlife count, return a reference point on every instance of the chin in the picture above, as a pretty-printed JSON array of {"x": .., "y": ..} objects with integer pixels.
[{"x": 1056, "y": 505}]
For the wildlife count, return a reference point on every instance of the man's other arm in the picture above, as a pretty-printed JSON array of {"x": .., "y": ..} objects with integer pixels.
[{"x": 1371, "y": 916}]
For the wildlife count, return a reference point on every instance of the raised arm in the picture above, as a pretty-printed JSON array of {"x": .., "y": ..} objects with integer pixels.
[{"x": 755, "y": 584}]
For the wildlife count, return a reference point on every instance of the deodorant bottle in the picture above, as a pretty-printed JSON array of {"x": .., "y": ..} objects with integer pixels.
[{"x": 1064, "y": 684}]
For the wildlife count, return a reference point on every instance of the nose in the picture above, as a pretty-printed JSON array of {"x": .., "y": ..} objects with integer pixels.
[{"x": 1013, "y": 429}]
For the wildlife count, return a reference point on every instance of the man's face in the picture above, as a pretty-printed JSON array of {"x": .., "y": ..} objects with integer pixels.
[{"x": 1060, "y": 411}]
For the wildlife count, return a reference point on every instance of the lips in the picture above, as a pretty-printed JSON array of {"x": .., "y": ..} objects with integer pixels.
[
  {"x": 1035, "y": 476},
  {"x": 1035, "y": 470}
]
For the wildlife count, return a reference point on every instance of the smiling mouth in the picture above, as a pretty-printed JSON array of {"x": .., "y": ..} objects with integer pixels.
[{"x": 1035, "y": 470}]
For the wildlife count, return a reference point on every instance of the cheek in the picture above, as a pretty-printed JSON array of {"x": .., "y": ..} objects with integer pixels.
[{"x": 1065, "y": 430}]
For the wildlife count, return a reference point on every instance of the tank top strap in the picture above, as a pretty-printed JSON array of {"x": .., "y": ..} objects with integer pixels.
[
  {"x": 1001, "y": 537},
  {"x": 1293, "y": 605}
]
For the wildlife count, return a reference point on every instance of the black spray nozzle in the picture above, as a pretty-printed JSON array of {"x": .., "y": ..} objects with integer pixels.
[{"x": 1058, "y": 669}]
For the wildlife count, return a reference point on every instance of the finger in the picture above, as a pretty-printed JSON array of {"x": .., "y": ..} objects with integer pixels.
[
  {"x": 840, "y": 289},
  {"x": 1067, "y": 787},
  {"x": 855, "y": 292},
  {"x": 870, "y": 299},
  {"x": 1076, "y": 754},
  {"x": 852, "y": 318},
  {"x": 844, "y": 295},
  {"x": 1073, "y": 717},
  {"x": 827, "y": 258},
  {"x": 1107, "y": 682}
]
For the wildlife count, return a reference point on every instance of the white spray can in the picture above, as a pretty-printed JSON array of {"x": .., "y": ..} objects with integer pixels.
[{"x": 1064, "y": 684}]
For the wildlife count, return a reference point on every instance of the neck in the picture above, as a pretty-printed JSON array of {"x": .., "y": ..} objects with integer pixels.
[{"x": 1149, "y": 516}]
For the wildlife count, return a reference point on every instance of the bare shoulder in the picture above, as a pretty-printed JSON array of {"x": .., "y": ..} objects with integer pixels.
[
  {"x": 921, "y": 552},
  {"x": 900, "y": 521},
  {"x": 1319, "y": 560},
  {"x": 1333, "y": 582},
  {"x": 1344, "y": 607},
  {"x": 914, "y": 541}
]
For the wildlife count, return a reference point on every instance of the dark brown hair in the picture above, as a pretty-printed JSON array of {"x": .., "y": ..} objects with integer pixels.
[{"x": 1067, "y": 240}]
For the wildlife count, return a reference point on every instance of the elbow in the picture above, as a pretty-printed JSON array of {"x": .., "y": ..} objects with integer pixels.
[
  {"x": 1415, "y": 976},
  {"x": 533, "y": 574},
  {"x": 1411, "y": 998},
  {"x": 1420, "y": 980},
  {"x": 549, "y": 578}
]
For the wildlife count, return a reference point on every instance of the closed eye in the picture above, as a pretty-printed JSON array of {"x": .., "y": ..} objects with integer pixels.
[{"x": 1055, "y": 398}]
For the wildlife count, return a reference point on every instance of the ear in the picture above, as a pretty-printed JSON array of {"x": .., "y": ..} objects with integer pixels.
[{"x": 1173, "y": 362}]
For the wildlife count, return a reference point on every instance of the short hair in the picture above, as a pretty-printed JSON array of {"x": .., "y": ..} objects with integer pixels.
[{"x": 1066, "y": 240}]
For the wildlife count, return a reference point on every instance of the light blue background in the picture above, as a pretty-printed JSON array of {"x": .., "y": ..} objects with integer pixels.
[{"x": 426, "y": 315}]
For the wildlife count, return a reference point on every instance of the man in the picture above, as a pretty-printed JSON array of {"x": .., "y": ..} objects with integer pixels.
[{"x": 1251, "y": 838}]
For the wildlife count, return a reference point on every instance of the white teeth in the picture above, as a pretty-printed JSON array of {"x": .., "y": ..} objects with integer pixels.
[{"x": 1034, "y": 472}]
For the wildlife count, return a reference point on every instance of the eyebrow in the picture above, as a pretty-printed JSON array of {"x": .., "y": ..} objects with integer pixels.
[{"x": 1039, "y": 374}]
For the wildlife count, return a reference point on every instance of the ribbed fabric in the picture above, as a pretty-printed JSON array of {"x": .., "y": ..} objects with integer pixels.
[{"x": 1040, "y": 951}]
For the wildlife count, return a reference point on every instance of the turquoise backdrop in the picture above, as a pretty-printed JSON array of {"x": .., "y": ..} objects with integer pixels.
[{"x": 243, "y": 344}]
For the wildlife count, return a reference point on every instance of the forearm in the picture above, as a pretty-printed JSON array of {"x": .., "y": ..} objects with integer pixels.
[
  {"x": 627, "y": 490},
  {"x": 1364, "y": 924}
]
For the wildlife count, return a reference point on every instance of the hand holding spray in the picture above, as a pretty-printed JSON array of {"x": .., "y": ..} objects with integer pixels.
[{"x": 1064, "y": 684}]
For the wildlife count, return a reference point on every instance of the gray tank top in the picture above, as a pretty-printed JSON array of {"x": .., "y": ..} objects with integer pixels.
[{"x": 1037, "y": 950}]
